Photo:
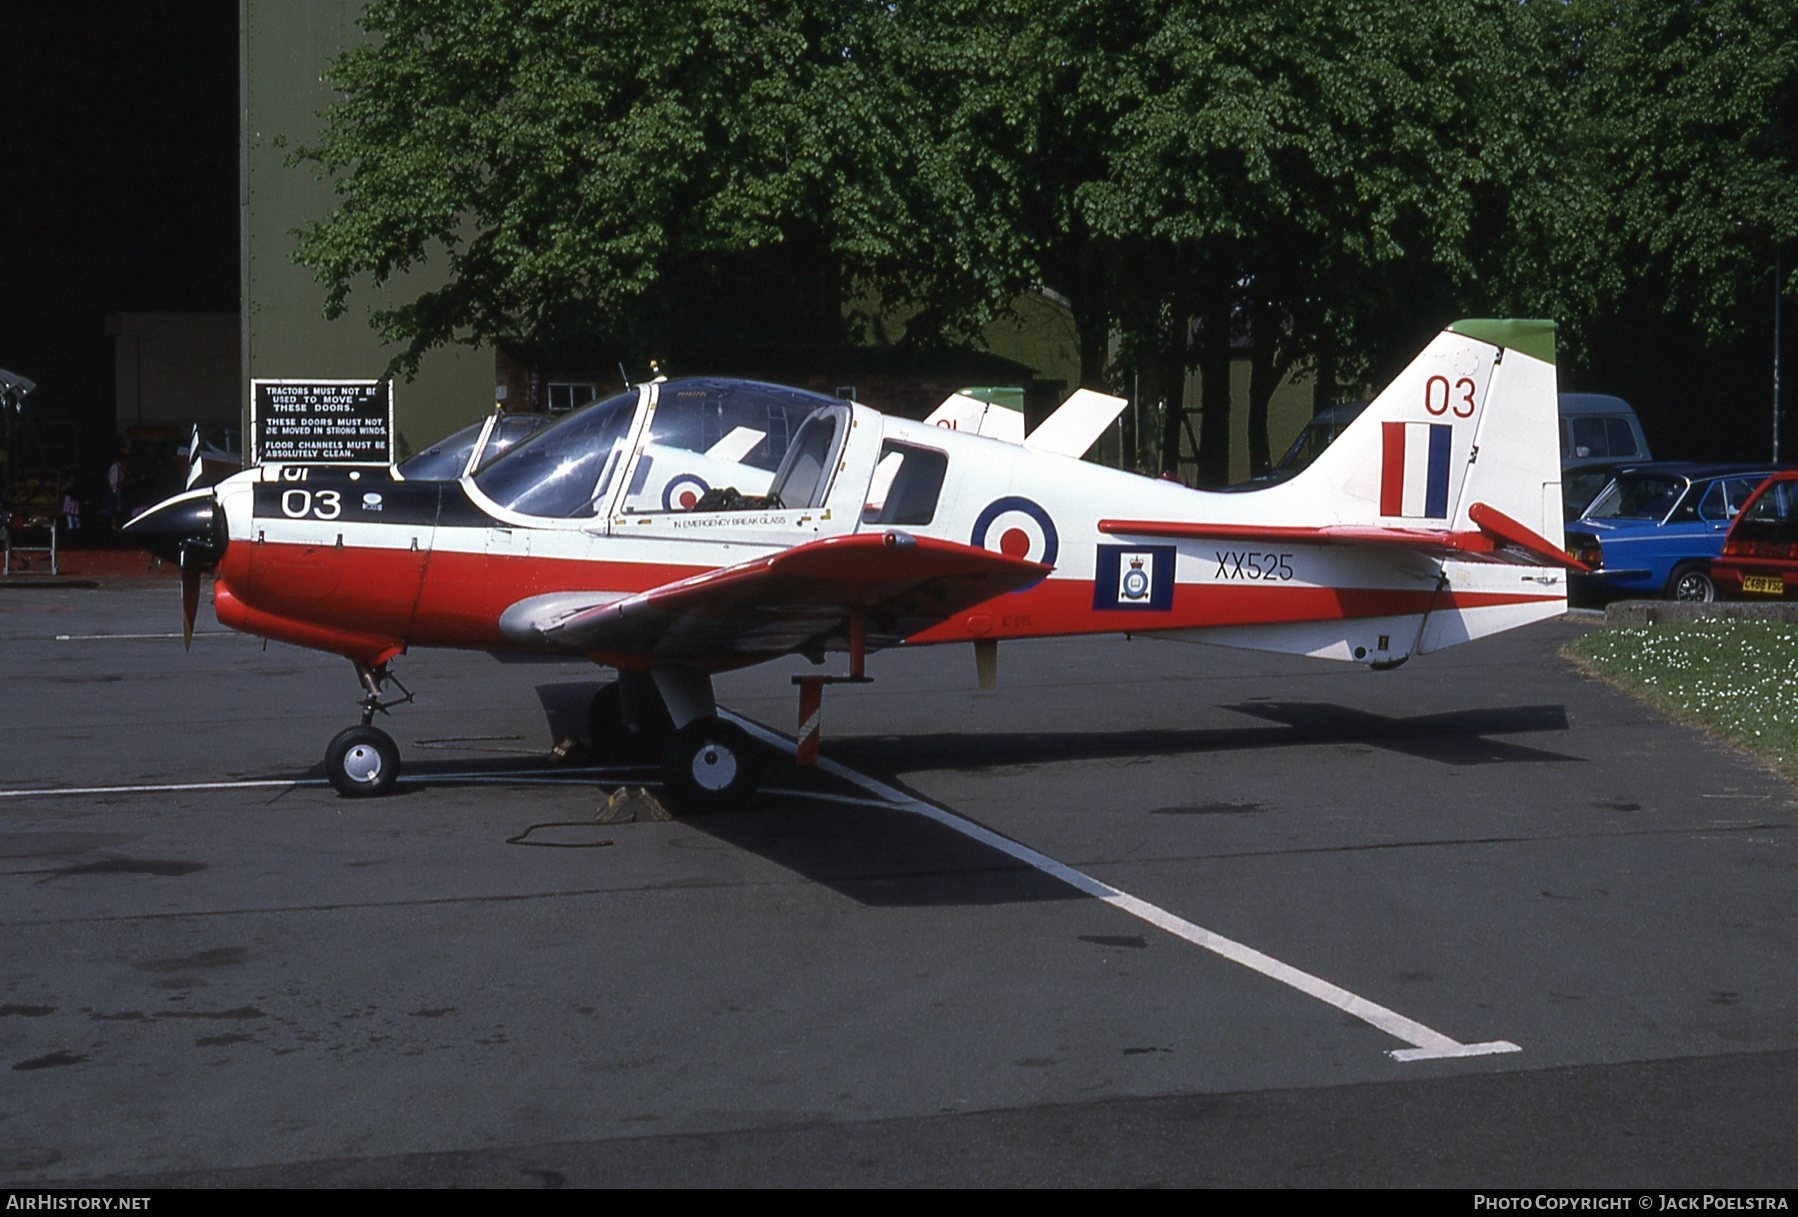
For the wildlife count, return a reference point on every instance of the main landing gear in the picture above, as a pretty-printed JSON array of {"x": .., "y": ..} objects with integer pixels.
[
  {"x": 364, "y": 760},
  {"x": 708, "y": 764}
]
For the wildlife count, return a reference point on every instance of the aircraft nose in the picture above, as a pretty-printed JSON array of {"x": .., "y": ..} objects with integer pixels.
[{"x": 187, "y": 529}]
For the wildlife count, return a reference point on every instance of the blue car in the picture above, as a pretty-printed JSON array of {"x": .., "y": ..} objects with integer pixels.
[{"x": 1655, "y": 529}]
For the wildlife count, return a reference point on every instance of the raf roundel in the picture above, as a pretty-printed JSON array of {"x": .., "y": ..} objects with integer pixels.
[
  {"x": 682, "y": 492},
  {"x": 1018, "y": 528}
]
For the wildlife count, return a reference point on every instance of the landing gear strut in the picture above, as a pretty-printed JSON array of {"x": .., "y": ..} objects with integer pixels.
[
  {"x": 670, "y": 714},
  {"x": 363, "y": 760},
  {"x": 627, "y": 723}
]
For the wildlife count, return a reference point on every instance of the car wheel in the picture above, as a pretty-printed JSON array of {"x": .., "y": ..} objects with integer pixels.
[{"x": 1692, "y": 581}]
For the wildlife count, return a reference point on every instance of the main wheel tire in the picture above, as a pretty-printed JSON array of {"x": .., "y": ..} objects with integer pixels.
[
  {"x": 362, "y": 762},
  {"x": 616, "y": 742},
  {"x": 710, "y": 765},
  {"x": 1692, "y": 581}
]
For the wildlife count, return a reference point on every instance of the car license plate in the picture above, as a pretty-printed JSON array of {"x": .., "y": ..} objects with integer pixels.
[{"x": 1767, "y": 585}]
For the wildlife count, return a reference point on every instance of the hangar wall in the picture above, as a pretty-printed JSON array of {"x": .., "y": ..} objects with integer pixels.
[{"x": 286, "y": 45}]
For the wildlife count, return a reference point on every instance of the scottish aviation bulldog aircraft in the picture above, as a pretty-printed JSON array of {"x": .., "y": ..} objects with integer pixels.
[{"x": 689, "y": 527}]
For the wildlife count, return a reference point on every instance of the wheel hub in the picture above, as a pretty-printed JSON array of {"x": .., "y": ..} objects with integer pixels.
[
  {"x": 362, "y": 764},
  {"x": 714, "y": 767}
]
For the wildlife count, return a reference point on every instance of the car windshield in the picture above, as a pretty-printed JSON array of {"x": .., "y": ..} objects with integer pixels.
[
  {"x": 1637, "y": 496},
  {"x": 563, "y": 470}
]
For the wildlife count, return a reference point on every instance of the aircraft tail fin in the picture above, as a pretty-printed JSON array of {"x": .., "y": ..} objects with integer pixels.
[
  {"x": 1471, "y": 423},
  {"x": 962, "y": 412}
]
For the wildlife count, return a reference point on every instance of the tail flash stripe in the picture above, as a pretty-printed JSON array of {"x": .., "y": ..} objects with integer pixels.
[
  {"x": 1436, "y": 501},
  {"x": 1414, "y": 460},
  {"x": 1392, "y": 469}
]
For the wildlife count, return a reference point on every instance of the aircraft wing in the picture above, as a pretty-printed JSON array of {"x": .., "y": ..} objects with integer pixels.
[
  {"x": 1498, "y": 538},
  {"x": 799, "y": 599}
]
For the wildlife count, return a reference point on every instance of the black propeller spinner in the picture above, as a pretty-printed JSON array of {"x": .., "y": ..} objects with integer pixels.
[{"x": 188, "y": 530}]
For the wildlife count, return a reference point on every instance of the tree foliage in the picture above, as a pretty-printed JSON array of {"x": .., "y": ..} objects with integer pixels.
[
  {"x": 547, "y": 163},
  {"x": 1320, "y": 181}
]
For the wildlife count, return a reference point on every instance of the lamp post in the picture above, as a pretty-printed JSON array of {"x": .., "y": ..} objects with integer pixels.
[
  {"x": 13, "y": 389},
  {"x": 1777, "y": 292}
]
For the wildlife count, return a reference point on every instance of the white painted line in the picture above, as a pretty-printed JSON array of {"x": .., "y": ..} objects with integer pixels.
[
  {"x": 561, "y": 777},
  {"x": 158, "y": 788},
  {"x": 1426, "y": 1044},
  {"x": 139, "y": 637}
]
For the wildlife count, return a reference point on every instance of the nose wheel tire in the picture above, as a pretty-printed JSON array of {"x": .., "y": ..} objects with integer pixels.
[
  {"x": 710, "y": 765},
  {"x": 362, "y": 761}
]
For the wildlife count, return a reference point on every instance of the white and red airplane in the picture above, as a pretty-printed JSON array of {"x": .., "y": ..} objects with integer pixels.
[{"x": 685, "y": 528}]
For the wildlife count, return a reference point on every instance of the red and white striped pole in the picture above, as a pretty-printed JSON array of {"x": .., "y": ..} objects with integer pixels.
[{"x": 811, "y": 718}]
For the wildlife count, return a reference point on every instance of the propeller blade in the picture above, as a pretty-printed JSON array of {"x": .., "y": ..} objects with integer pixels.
[{"x": 190, "y": 603}]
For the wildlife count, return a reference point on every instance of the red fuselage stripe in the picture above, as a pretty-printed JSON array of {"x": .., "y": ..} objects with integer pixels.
[{"x": 364, "y": 602}]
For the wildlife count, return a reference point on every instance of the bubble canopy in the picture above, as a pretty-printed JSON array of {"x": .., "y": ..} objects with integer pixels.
[{"x": 704, "y": 433}]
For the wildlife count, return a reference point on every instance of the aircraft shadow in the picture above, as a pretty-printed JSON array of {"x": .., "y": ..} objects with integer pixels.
[
  {"x": 1460, "y": 737},
  {"x": 830, "y": 832}
]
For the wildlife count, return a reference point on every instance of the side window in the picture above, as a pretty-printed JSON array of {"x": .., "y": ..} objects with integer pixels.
[
  {"x": 1713, "y": 506},
  {"x": 1589, "y": 437},
  {"x": 1619, "y": 439},
  {"x": 1735, "y": 493},
  {"x": 1771, "y": 518},
  {"x": 908, "y": 481},
  {"x": 561, "y": 397},
  {"x": 1597, "y": 435}
]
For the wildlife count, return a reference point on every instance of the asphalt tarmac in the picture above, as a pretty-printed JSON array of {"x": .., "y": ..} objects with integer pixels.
[{"x": 1145, "y": 915}]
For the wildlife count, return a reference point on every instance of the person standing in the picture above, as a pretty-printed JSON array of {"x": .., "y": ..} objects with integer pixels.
[
  {"x": 71, "y": 506},
  {"x": 115, "y": 483}
]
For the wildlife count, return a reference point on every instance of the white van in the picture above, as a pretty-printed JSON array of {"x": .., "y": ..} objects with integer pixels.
[{"x": 1597, "y": 426}]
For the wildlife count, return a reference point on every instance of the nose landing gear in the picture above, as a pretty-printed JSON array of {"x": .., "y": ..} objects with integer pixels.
[{"x": 363, "y": 760}]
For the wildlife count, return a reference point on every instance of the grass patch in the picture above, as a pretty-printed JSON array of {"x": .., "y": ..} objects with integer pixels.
[{"x": 1736, "y": 679}]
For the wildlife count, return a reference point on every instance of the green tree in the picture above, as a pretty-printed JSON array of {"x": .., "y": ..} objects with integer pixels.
[
  {"x": 563, "y": 170},
  {"x": 1678, "y": 165}
]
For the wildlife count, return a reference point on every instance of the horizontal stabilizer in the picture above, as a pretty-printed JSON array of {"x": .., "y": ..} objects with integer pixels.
[
  {"x": 1498, "y": 537},
  {"x": 1076, "y": 424},
  {"x": 971, "y": 415}
]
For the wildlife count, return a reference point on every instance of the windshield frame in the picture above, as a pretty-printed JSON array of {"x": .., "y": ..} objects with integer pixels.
[{"x": 602, "y": 490}]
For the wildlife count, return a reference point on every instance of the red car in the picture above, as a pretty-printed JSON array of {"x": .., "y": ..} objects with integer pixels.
[{"x": 1760, "y": 555}]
